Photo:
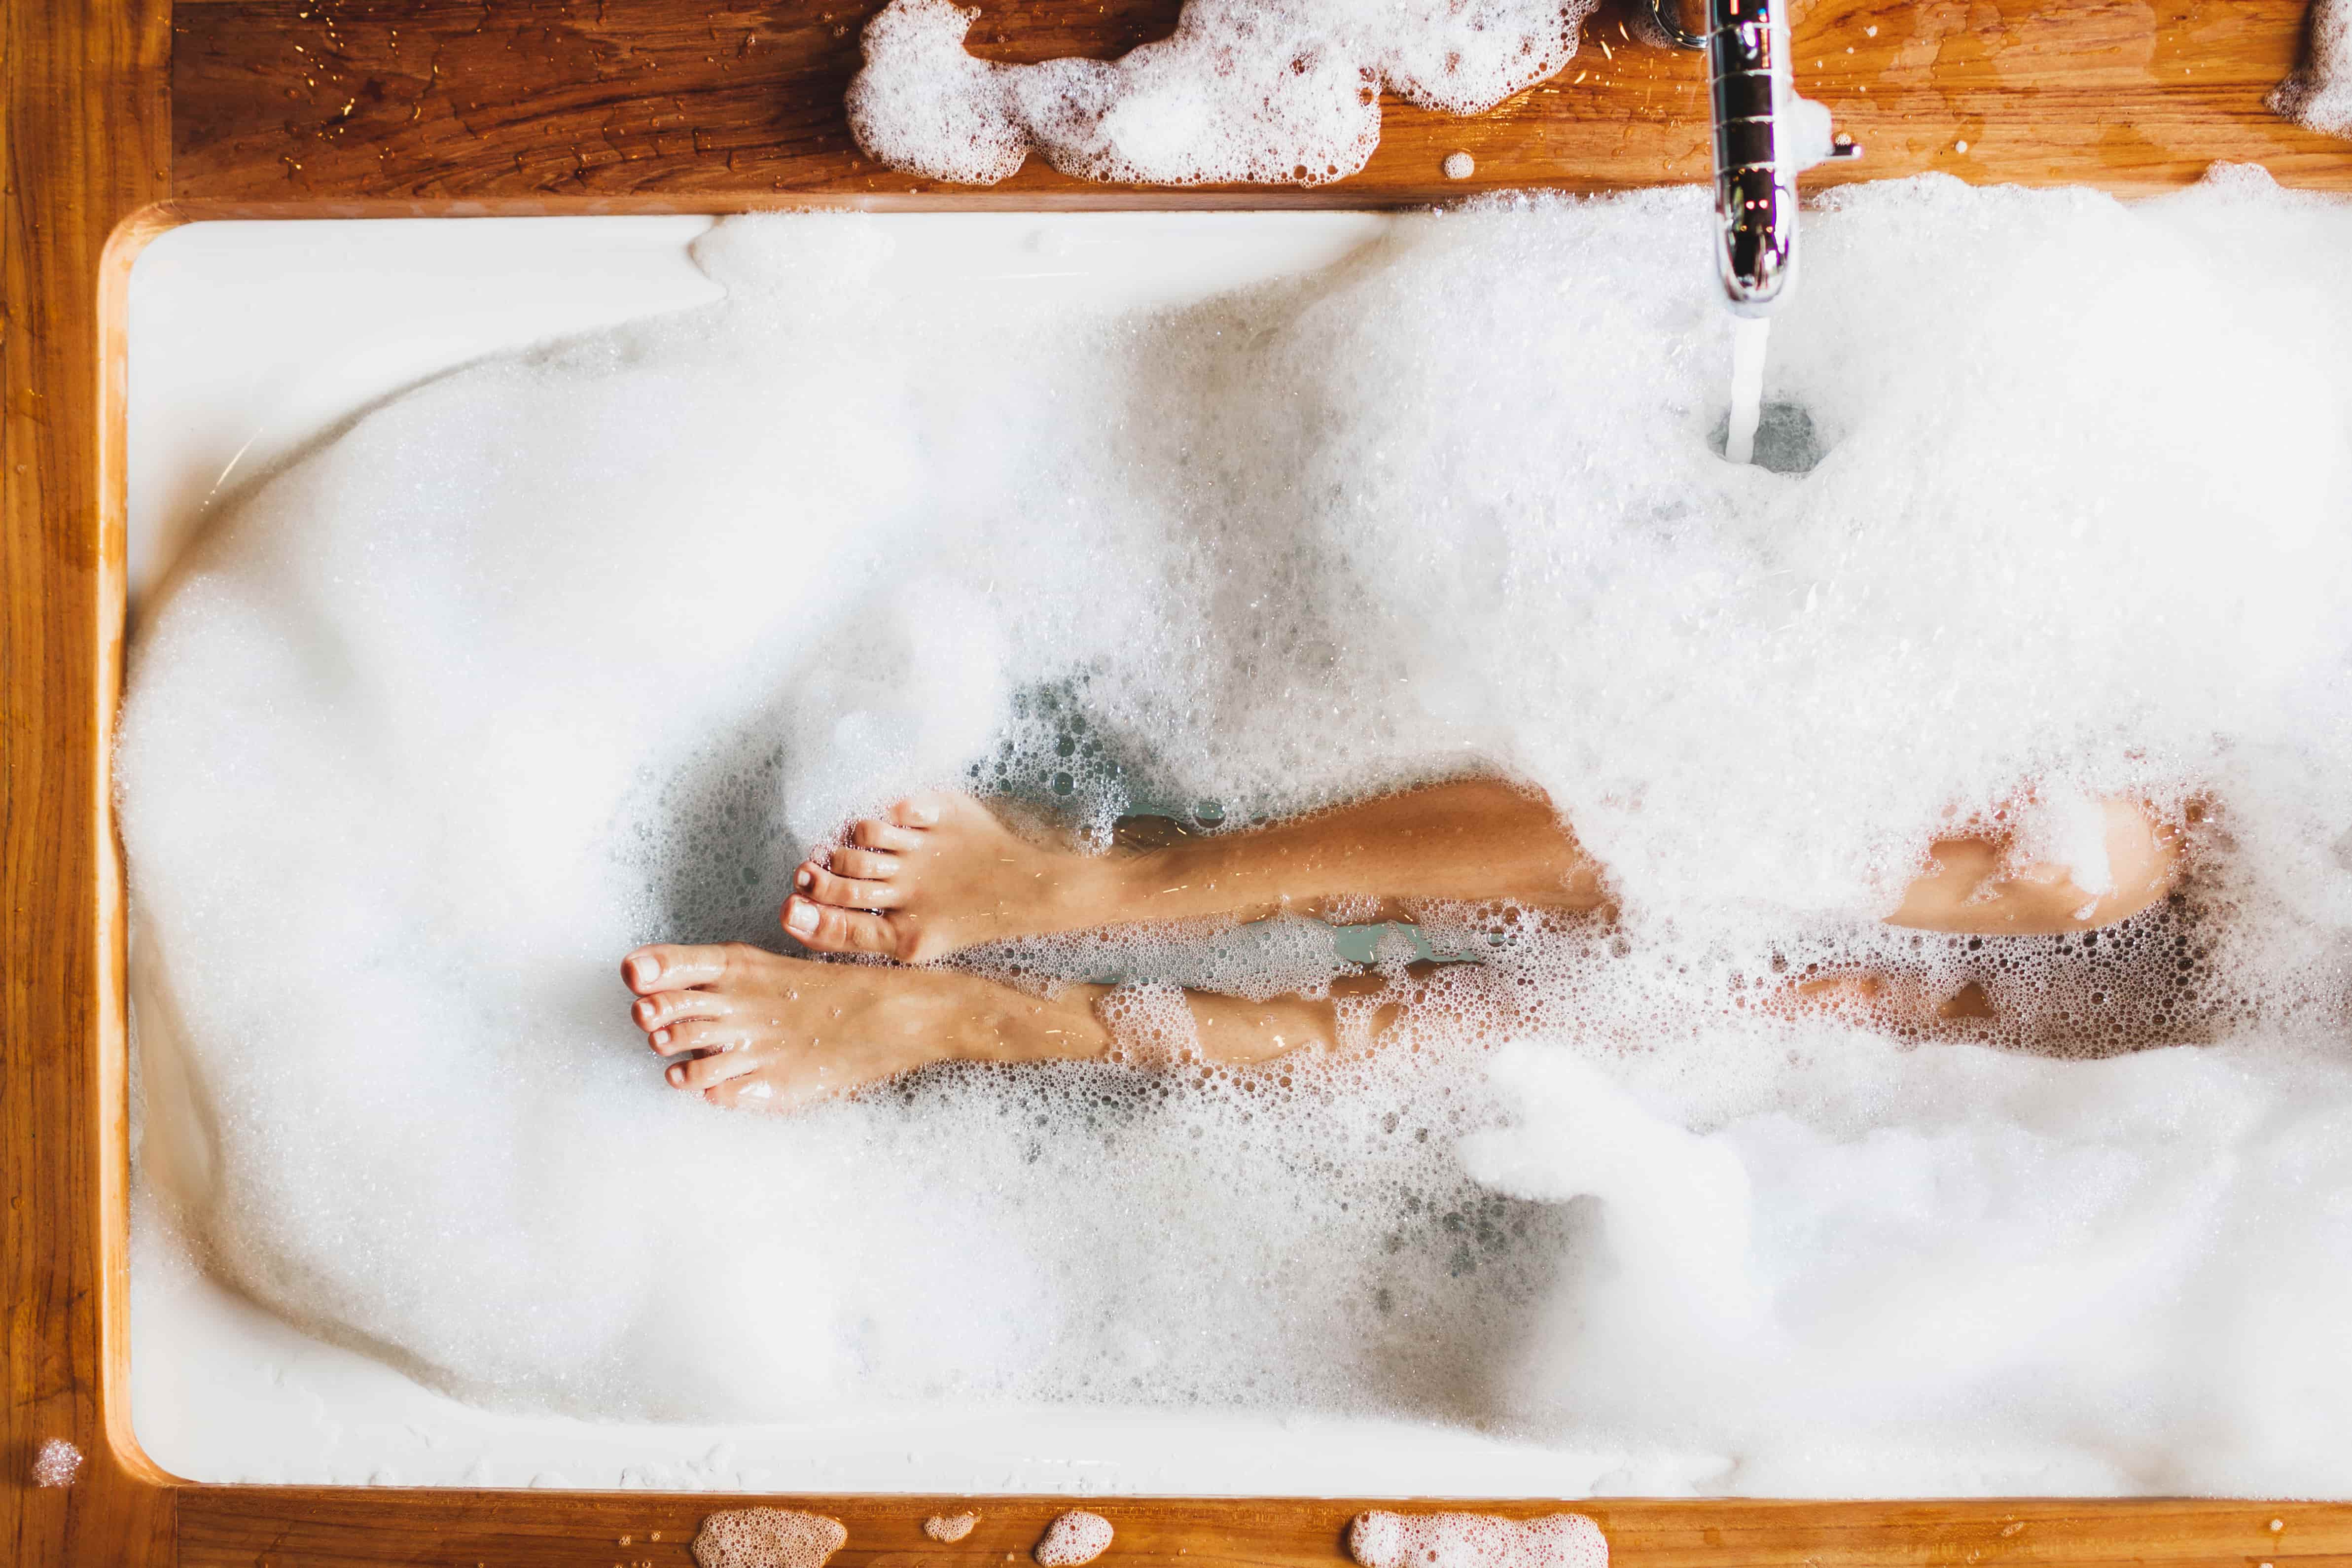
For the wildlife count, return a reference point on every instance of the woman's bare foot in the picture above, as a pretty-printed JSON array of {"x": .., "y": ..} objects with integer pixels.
[
  {"x": 939, "y": 872},
  {"x": 766, "y": 1032}
]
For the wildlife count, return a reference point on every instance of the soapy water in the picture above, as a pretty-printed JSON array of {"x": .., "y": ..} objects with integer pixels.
[
  {"x": 578, "y": 648},
  {"x": 2318, "y": 93}
]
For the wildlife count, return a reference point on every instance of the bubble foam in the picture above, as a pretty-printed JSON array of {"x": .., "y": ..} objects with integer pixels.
[
  {"x": 1073, "y": 1538},
  {"x": 56, "y": 1464},
  {"x": 1280, "y": 92},
  {"x": 768, "y": 1538},
  {"x": 949, "y": 1527},
  {"x": 2318, "y": 93},
  {"x": 1378, "y": 1539}
]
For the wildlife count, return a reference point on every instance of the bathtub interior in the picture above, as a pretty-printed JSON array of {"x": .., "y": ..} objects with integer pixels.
[{"x": 249, "y": 341}]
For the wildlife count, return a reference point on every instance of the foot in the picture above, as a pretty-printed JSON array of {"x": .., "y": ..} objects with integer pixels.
[
  {"x": 760, "y": 1031},
  {"x": 937, "y": 872}
]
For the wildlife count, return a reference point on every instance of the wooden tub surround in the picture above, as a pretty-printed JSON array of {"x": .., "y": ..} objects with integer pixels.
[{"x": 120, "y": 117}]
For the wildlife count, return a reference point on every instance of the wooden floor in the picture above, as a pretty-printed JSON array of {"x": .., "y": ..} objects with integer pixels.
[{"x": 118, "y": 118}]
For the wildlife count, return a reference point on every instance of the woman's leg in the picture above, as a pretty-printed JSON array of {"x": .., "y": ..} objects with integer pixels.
[
  {"x": 755, "y": 1030},
  {"x": 941, "y": 872},
  {"x": 1969, "y": 889}
]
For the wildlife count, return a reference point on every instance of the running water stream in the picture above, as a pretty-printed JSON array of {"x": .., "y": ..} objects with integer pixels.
[{"x": 1749, "y": 339}]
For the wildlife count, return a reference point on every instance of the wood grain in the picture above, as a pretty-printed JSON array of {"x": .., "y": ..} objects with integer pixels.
[
  {"x": 85, "y": 122},
  {"x": 235, "y": 1526},
  {"x": 372, "y": 105}
]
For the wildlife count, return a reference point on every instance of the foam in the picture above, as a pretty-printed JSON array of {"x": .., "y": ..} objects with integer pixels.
[
  {"x": 2318, "y": 93},
  {"x": 1378, "y": 1539},
  {"x": 1073, "y": 1538},
  {"x": 570, "y": 650},
  {"x": 766, "y": 1538},
  {"x": 949, "y": 1527},
  {"x": 56, "y": 1464},
  {"x": 1286, "y": 91}
]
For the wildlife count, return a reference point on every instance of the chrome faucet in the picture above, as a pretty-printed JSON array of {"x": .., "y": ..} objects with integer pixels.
[{"x": 1764, "y": 134}]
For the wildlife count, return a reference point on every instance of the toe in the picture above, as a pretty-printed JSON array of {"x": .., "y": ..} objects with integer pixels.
[
  {"x": 873, "y": 832},
  {"x": 749, "y": 1092},
  {"x": 665, "y": 1007},
  {"x": 919, "y": 810},
  {"x": 695, "y": 1035},
  {"x": 864, "y": 865},
  {"x": 664, "y": 966},
  {"x": 704, "y": 1071},
  {"x": 832, "y": 930},
  {"x": 848, "y": 892}
]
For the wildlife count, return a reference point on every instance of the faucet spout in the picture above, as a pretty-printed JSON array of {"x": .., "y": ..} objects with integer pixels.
[{"x": 1764, "y": 135}]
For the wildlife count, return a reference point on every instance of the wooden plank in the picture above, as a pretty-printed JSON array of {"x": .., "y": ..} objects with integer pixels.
[
  {"x": 86, "y": 125},
  {"x": 355, "y": 106},
  {"x": 250, "y": 1526}
]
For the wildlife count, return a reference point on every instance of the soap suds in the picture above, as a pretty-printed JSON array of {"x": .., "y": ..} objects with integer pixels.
[
  {"x": 1074, "y": 1538},
  {"x": 56, "y": 1464},
  {"x": 949, "y": 1526},
  {"x": 1378, "y": 1539},
  {"x": 1272, "y": 91},
  {"x": 429, "y": 720},
  {"x": 2318, "y": 94},
  {"x": 766, "y": 1538}
]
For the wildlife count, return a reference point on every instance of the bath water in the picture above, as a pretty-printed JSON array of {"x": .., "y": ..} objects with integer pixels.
[{"x": 576, "y": 649}]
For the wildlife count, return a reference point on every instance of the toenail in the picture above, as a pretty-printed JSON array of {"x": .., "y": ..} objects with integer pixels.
[
  {"x": 645, "y": 967},
  {"x": 801, "y": 918},
  {"x": 805, "y": 881},
  {"x": 676, "y": 1075},
  {"x": 661, "y": 1037}
]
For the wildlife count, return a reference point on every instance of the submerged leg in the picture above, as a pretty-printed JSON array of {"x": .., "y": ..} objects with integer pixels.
[
  {"x": 940, "y": 872},
  {"x": 1971, "y": 889},
  {"x": 760, "y": 1031}
]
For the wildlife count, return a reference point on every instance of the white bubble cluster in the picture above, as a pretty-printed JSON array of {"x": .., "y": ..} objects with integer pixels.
[
  {"x": 2319, "y": 92},
  {"x": 1073, "y": 1538},
  {"x": 1378, "y": 1539},
  {"x": 56, "y": 1464},
  {"x": 949, "y": 1527},
  {"x": 766, "y": 1538},
  {"x": 1266, "y": 90},
  {"x": 564, "y": 652}
]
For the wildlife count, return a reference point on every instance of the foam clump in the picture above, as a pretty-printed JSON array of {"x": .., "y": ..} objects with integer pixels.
[
  {"x": 1073, "y": 1538},
  {"x": 766, "y": 1538},
  {"x": 574, "y": 649},
  {"x": 55, "y": 1463},
  {"x": 1378, "y": 1539},
  {"x": 949, "y": 1527},
  {"x": 2318, "y": 94},
  {"x": 1260, "y": 90}
]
